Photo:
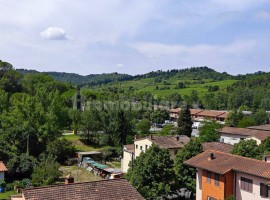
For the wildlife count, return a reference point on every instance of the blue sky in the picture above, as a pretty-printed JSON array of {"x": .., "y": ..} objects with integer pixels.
[{"x": 135, "y": 36}]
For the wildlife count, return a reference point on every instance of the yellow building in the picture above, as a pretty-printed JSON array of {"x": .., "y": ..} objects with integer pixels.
[{"x": 172, "y": 143}]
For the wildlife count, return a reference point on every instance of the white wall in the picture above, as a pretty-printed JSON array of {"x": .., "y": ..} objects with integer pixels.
[
  {"x": 125, "y": 161},
  {"x": 2, "y": 175},
  {"x": 230, "y": 139},
  {"x": 141, "y": 144},
  {"x": 244, "y": 195},
  {"x": 199, "y": 184}
]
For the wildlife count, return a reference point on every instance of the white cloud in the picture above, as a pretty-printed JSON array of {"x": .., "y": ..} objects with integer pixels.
[
  {"x": 54, "y": 33},
  {"x": 263, "y": 15},
  {"x": 120, "y": 65}
]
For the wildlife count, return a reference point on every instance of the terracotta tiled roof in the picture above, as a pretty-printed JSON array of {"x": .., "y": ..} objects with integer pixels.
[
  {"x": 218, "y": 146},
  {"x": 129, "y": 148},
  {"x": 168, "y": 142},
  {"x": 265, "y": 127},
  {"x": 235, "y": 131},
  {"x": 195, "y": 111},
  {"x": 224, "y": 115},
  {"x": 259, "y": 134},
  {"x": 211, "y": 113},
  {"x": 3, "y": 167},
  {"x": 116, "y": 189},
  {"x": 224, "y": 162},
  {"x": 192, "y": 111}
]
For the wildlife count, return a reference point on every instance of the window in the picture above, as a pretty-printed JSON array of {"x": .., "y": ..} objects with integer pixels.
[
  {"x": 217, "y": 176},
  {"x": 140, "y": 147},
  {"x": 264, "y": 190},
  {"x": 210, "y": 198},
  {"x": 246, "y": 184},
  {"x": 136, "y": 146},
  {"x": 175, "y": 151},
  {"x": 146, "y": 147},
  {"x": 208, "y": 177}
]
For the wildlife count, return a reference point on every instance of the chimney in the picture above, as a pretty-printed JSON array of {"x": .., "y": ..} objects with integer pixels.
[
  {"x": 211, "y": 156},
  {"x": 69, "y": 179},
  {"x": 266, "y": 158},
  {"x": 177, "y": 137},
  {"x": 136, "y": 137}
]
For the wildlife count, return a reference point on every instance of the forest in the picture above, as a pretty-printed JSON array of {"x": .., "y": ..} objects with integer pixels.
[{"x": 36, "y": 108}]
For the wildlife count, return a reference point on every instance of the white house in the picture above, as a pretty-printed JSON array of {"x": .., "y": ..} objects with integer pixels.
[
  {"x": 232, "y": 135},
  {"x": 172, "y": 143},
  {"x": 220, "y": 175},
  {"x": 3, "y": 169}
]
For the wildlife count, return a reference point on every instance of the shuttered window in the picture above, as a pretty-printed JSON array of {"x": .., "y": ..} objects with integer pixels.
[
  {"x": 246, "y": 184},
  {"x": 208, "y": 177},
  {"x": 217, "y": 176},
  {"x": 264, "y": 190}
]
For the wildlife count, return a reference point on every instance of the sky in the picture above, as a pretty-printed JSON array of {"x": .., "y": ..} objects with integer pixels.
[{"x": 135, "y": 36}]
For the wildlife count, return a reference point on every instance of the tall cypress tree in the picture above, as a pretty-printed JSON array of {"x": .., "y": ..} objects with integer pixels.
[{"x": 184, "y": 121}]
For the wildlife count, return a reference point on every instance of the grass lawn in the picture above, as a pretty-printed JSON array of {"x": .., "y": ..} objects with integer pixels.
[
  {"x": 80, "y": 174},
  {"x": 114, "y": 164},
  {"x": 7, "y": 194},
  {"x": 79, "y": 145}
]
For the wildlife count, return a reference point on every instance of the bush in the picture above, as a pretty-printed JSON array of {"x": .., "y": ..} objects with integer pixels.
[
  {"x": 61, "y": 149},
  {"x": 47, "y": 172},
  {"x": 10, "y": 186},
  {"x": 2, "y": 184}
]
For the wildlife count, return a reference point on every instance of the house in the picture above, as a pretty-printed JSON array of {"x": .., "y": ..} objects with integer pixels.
[
  {"x": 233, "y": 135},
  {"x": 97, "y": 190},
  {"x": 220, "y": 175},
  {"x": 174, "y": 113},
  {"x": 3, "y": 169},
  {"x": 200, "y": 115},
  {"x": 172, "y": 143}
]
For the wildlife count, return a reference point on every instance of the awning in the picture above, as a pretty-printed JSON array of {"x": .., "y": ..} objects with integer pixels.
[{"x": 100, "y": 166}]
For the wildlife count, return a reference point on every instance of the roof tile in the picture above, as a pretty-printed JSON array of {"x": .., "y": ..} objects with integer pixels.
[
  {"x": 116, "y": 189},
  {"x": 224, "y": 162}
]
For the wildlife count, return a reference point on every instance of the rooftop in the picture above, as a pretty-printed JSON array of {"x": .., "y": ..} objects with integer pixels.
[
  {"x": 129, "y": 148},
  {"x": 218, "y": 146},
  {"x": 225, "y": 162},
  {"x": 3, "y": 167},
  {"x": 265, "y": 127},
  {"x": 259, "y": 134},
  {"x": 211, "y": 113},
  {"x": 116, "y": 189},
  {"x": 167, "y": 142}
]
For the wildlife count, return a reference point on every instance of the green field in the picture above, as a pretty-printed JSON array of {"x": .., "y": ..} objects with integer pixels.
[
  {"x": 80, "y": 146},
  {"x": 149, "y": 85}
]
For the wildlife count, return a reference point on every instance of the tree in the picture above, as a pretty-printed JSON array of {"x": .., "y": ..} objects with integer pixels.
[
  {"x": 245, "y": 122},
  {"x": 107, "y": 151},
  {"x": 265, "y": 146},
  {"x": 247, "y": 148},
  {"x": 233, "y": 118},
  {"x": 209, "y": 132},
  {"x": 152, "y": 173},
  {"x": 3, "y": 101},
  {"x": 21, "y": 166},
  {"x": 60, "y": 149},
  {"x": 159, "y": 116},
  {"x": 186, "y": 175},
  {"x": 46, "y": 172},
  {"x": 260, "y": 117},
  {"x": 184, "y": 121},
  {"x": 144, "y": 126}
]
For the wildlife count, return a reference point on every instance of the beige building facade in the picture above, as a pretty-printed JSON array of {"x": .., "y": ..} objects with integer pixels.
[{"x": 132, "y": 151}]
